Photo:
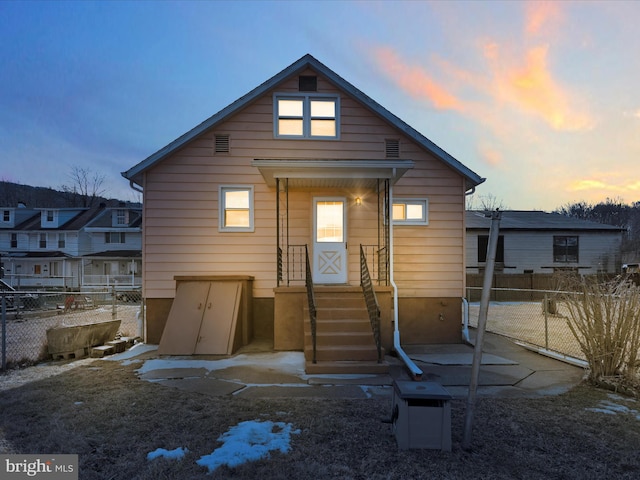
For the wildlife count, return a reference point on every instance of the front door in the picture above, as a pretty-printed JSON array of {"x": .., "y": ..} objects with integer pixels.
[{"x": 329, "y": 240}]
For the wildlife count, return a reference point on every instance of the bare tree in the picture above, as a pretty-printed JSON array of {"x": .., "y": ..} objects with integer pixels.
[
  {"x": 488, "y": 203},
  {"x": 85, "y": 187}
]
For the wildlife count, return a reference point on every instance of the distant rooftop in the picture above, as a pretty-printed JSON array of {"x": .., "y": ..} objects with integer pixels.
[{"x": 534, "y": 220}]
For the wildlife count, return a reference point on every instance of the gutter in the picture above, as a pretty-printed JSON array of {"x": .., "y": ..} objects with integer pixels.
[
  {"x": 415, "y": 372},
  {"x": 134, "y": 187}
]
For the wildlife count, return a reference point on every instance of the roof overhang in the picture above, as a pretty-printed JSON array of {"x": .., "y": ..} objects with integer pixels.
[{"x": 335, "y": 173}]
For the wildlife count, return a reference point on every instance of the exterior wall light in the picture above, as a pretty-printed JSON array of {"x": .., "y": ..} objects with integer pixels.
[{"x": 358, "y": 201}]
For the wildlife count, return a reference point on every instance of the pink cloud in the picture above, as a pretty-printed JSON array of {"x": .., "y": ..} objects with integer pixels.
[
  {"x": 539, "y": 15},
  {"x": 416, "y": 81},
  {"x": 531, "y": 88}
]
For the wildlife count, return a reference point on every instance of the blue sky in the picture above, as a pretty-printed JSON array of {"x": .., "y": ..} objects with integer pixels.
[{"x": 541, "y": 98}]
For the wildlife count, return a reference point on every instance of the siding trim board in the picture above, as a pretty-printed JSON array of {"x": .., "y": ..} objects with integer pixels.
[{"x": 363, "y": 173}]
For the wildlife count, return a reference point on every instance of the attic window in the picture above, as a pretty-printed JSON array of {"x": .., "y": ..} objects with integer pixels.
[
  {"x": 392, "y": 148},
  {"x": 306, "y": 116},
  {"x": 221, "y": 143},
  {"x": 307, "y": 83}
]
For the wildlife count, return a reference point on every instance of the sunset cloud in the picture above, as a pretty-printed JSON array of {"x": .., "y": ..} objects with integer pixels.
[
  {"x": 539, "y": 15},
  {"x": 585, "y": 185},
  {"x": 531, "y": 88},
  {"x": 490, "y": 155},
  {"x": 416, "y": 81}
]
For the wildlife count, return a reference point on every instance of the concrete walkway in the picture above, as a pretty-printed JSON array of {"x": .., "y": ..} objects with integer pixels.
[{"x": 508, "y": 370}]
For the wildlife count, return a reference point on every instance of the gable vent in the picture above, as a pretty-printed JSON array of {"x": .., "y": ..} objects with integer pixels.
[
  {"x": 307, "y": 83},
  {"x": 392, "y": 148},
  {"x": 222, "y": 143}
]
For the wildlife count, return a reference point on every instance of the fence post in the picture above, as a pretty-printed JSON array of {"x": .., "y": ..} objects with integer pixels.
[
  {"x": 114, "y": 312},
  {"x": 4, "y": 333},
  {"x": 545, "y": 308}
]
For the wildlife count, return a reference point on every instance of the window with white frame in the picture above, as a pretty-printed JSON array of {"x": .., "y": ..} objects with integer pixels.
[
  {"x": 121, "y": 216},
  {"x": 42, "y": 243},
  {"x": 236, "y": 208},
  {"x": 410, "y": 211},
  {"x": 306, "y": 116},
  {"x": 62, "y": 240},
  {"x": 114, "y": 237}
]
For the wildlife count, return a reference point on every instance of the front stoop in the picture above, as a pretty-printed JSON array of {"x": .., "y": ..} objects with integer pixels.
[{"x": 344, "y": 340}]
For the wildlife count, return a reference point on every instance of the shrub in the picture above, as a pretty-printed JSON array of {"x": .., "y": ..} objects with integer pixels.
[{"x": 604, "y": 316}]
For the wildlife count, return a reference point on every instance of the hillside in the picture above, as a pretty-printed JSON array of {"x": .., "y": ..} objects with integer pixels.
[{"x": 11, "y": 194}]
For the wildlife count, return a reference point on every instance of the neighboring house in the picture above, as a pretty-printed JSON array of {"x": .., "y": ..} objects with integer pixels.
[
  {"x": 305, "y": 162},
  {"x": 50, "y": 247},
  {"x": 114, "y": 242},
  {"x": 539, "y": 242}
]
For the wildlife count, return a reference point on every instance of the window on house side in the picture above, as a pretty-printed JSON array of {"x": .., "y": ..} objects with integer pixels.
[
  {"x": 306, "y": 116},
  {"x": 236, "y": 208},
  {"x": 6, "y": 216},
  {"x": 413, "y": 211},
  {"x": 114, "y": 237},
  {"x": 62, "y": 240},
  {"x": 483, "y": 244},
  {"x": 43, "y": 240},
  {"x": 121, "y": 217},
  {"x": 14, "y": 240},
  {"x": 565, "y": 249}
]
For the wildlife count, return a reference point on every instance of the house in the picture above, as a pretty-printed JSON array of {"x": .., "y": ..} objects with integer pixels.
[
  {"x": 51, "y": 248},
  {"x": 301, "y": 191},
  {"x": 113, "y": 239},
  {"x": 536, "y": 242}
]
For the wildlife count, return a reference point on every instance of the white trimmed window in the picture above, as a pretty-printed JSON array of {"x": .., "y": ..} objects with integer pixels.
[
  {"x": 410, "y": 211},
  {"x": 306, "y": 116},
  {"x": 236, "y": 208}
]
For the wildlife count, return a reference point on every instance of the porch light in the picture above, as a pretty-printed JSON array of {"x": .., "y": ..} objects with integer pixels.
[{"x": 358, "y": 201}]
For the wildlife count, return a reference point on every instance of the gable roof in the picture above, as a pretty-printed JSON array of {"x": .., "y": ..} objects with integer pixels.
[
  {"x": 134, "y": 174},
  {"x": 535, "y": 220}
]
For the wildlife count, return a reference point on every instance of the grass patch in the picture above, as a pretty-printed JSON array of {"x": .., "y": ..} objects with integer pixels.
[{"x": 112, "y": 420}]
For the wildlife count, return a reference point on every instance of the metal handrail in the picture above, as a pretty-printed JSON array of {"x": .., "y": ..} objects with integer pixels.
[
  {"x": 373, "y": 308},
  {"x": 311, "y": 299}
]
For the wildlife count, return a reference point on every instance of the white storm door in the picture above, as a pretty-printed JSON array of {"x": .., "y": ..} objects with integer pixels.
[{"x": 329, "y": 240}]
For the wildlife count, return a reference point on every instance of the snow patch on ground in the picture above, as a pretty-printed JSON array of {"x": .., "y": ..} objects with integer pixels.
[
  {"x": 175, "y": 454},
  {"x": 246, "y": 442},
  {"x": 249, "y": 441},
  {"x": 608, "y": 407},
  {"x": 286, "y": 362}
]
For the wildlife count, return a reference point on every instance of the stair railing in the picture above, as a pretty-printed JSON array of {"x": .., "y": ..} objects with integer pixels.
[
  {"x": 373, "y": 308},
  {"x": 311, "y": 299}
]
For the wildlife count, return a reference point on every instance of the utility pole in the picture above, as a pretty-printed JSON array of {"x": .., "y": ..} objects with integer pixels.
[{"x": 482, "y": 324}]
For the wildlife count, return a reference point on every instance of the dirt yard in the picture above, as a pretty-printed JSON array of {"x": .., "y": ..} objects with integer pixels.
[{"x": 101, "y": 411}]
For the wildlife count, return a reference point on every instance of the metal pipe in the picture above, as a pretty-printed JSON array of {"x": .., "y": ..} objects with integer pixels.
[
  {"x": 465, "y": 320},
  {"x": 413, "y": 369},
  {"x": 482, "y": 322}
]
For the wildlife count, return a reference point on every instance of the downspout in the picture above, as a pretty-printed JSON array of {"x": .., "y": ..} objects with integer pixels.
[
  {"x": 465, "y": 301},
  {"x": 141, "y": 314},
  {"x": 415, "y": 372}
]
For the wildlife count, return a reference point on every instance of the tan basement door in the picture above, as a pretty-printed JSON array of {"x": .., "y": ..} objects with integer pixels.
[{"x": 202, "y": 319}]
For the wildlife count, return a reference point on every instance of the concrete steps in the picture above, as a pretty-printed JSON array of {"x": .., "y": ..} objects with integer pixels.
[{"x": 344, "y": 339}]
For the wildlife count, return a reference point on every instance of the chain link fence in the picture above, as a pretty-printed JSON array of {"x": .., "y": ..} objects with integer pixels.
[
  {"x": 26, "y": 317},
  {"x": 534, "y": 317}
]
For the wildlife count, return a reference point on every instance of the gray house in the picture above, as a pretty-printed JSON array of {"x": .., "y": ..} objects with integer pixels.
[{"x": 539, "y": 242}]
